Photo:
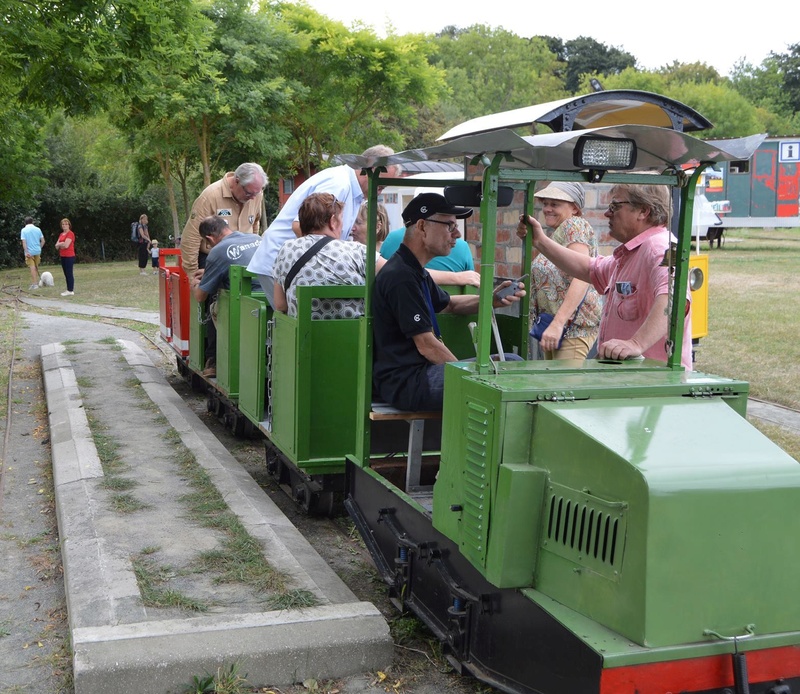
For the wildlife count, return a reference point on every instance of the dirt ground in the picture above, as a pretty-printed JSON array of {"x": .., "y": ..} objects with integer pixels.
[{"x": 34, "y": 643}]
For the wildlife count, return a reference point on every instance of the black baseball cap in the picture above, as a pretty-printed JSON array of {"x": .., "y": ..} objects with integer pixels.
[{"x": 427, "y": 204}]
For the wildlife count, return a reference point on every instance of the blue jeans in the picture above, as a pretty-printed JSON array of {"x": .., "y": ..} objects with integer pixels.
[
  {"x": 66, "y": 266},
  {"x": 435, "y": 375}
]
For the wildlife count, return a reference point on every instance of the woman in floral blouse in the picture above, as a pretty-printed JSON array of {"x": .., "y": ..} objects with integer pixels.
[{"x": 574, "y": 305}]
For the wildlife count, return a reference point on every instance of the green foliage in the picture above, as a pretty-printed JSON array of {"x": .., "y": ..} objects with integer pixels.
[
  {"x": 79, "y": 54},
  {"x": 224, "y": 681},
  {"x": 774, "y": 87},
  {"x": 351, "y": 85},
  {"x": 788, "y": 65},
  {"x": 585, "y": 55},
  {"x": 490, "y": 70}
]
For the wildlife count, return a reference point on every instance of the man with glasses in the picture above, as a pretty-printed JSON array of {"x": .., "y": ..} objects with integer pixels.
[
  {"x": 237, "y": 198},
  {"x": 409, "y": 356},
  {"x": 634, "y": 280}
]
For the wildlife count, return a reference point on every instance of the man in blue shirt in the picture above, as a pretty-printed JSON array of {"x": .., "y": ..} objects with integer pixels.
[
  {"x": 459, "y": 260},
  {"x": 32, "y": 242}
]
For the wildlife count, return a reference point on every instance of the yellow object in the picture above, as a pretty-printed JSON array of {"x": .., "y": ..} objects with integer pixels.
[{"x": 698, "y": 263}]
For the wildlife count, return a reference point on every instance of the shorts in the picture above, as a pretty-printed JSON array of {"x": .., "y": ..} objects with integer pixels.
[
  {"x": 33, "y": 260},
  {"x": 154, "y": 261}
]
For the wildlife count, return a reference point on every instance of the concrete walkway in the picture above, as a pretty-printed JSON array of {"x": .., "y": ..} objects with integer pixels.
[{"x": 119, "y": 643}]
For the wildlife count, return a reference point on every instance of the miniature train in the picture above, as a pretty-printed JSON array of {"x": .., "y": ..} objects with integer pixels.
[{"x": 559, "y": 526}]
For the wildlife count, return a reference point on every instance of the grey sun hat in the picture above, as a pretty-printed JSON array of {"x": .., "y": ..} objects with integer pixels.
[{"x": 561, "y": 190}]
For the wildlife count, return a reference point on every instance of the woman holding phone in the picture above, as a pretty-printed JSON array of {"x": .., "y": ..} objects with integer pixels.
[{"x": 573, "y": 304}]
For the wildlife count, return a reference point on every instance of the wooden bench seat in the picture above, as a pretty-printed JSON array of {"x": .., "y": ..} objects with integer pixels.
[{"x": 381, "y": 412}]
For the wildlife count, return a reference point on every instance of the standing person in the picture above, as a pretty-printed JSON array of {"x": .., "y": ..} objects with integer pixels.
[
  {"x": 236, "y": 197},
  {"x": 344, "y": 183},
  {"x": 409, "y": 356},
  {"x": 574, "y": 304},
  {"x": 634, "y": 281},
  {"x": 154, "y": 255},
  {"x": 144, "y": 243},
  {"x": 66, "y": 251},
  {"x": 32, "y": 243}
]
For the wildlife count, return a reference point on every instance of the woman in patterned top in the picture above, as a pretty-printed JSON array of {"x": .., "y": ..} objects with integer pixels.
[
  {"x": 574, "y": 305},
  {"x": 337, "y": 263}
]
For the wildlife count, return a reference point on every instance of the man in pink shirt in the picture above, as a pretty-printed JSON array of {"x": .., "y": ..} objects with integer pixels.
[{"x": 635, "y": 285}]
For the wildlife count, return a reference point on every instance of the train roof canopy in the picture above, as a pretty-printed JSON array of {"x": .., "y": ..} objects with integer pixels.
[
  {"x": 658, "y": 149},
  {"x": 598, "y": 109}
]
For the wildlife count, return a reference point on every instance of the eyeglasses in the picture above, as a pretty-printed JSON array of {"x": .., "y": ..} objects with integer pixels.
[
  {"x": 451, "y": 226},
  {"x": 614, "y": 206}
]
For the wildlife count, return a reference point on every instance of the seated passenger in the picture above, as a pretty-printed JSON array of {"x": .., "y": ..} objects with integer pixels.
[
  {"x": 359, "y": 231},
  {"x": 458, "y": 262},
  {"x": 331, "y": 261},
  {"x": 409, "y": 357},
  {"x": 226, "y": 248}
]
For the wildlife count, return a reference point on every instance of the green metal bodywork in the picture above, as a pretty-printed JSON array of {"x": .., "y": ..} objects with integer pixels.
[
  {"x": 229, "y": 308},
  {"x": 197, "y": 334},
  {"x": 254, "y": 315},
  {"x": 632, "y": 501},
  {"x": 631, "y": 494},
  {"x": 314, "y": 369}
]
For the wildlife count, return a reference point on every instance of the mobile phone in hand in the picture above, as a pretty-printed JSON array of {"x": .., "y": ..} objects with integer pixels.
[{"x": 511, "y": 289}]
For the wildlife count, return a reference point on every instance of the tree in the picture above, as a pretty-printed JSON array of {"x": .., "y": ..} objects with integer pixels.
[
  {"x": 351, "y": 85},
  {"x": 788, "y": 65},
  {"x": 77, "y": 54},
  {"x": 489, "y": 70},
  {"x": 586, "y": 55},
  {"x": 682, "y": 73}
]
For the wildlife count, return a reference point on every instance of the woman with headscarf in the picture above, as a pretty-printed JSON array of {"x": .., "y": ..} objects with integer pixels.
[{"x": 573, "y": 304}]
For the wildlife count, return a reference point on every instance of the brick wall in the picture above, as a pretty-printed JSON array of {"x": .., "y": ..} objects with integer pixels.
[{"x": 508, "y": 252}]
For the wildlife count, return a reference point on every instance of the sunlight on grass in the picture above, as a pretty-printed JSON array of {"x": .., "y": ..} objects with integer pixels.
[
  {"x": 106, "y": 284},
  {"x": 754, "y": 313}
]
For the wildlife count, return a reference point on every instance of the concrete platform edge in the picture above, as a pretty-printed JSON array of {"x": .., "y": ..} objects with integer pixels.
[{"x": 114, "y": 648}]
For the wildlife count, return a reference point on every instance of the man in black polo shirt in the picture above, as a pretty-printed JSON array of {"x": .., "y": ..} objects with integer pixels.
[{"x": 409, "y": 357}]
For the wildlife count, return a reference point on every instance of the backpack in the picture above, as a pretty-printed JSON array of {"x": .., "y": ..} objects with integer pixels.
[{"x": 135, "y": 232}]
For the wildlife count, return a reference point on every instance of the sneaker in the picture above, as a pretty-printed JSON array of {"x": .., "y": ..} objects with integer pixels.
[
  {"x": 67, "y": 293},
  {"x": 33, "y": 286},
  {"x": 143, "y": 272}
]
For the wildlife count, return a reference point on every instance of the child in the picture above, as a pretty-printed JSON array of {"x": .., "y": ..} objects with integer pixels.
[{"x": 154, "y": 255}]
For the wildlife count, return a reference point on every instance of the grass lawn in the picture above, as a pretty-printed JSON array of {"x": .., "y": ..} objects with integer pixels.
[
  {"x": 754, "y": 313},
  {"x": 108, "y": 284}
]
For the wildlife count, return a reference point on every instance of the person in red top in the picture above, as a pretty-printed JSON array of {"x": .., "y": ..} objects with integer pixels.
[{"x": 66, "y": 249}]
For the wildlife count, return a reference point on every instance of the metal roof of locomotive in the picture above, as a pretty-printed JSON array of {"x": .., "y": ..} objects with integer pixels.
[
  {"x": 659, "y": 149},
  {"x": 595, "y": 110}
]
